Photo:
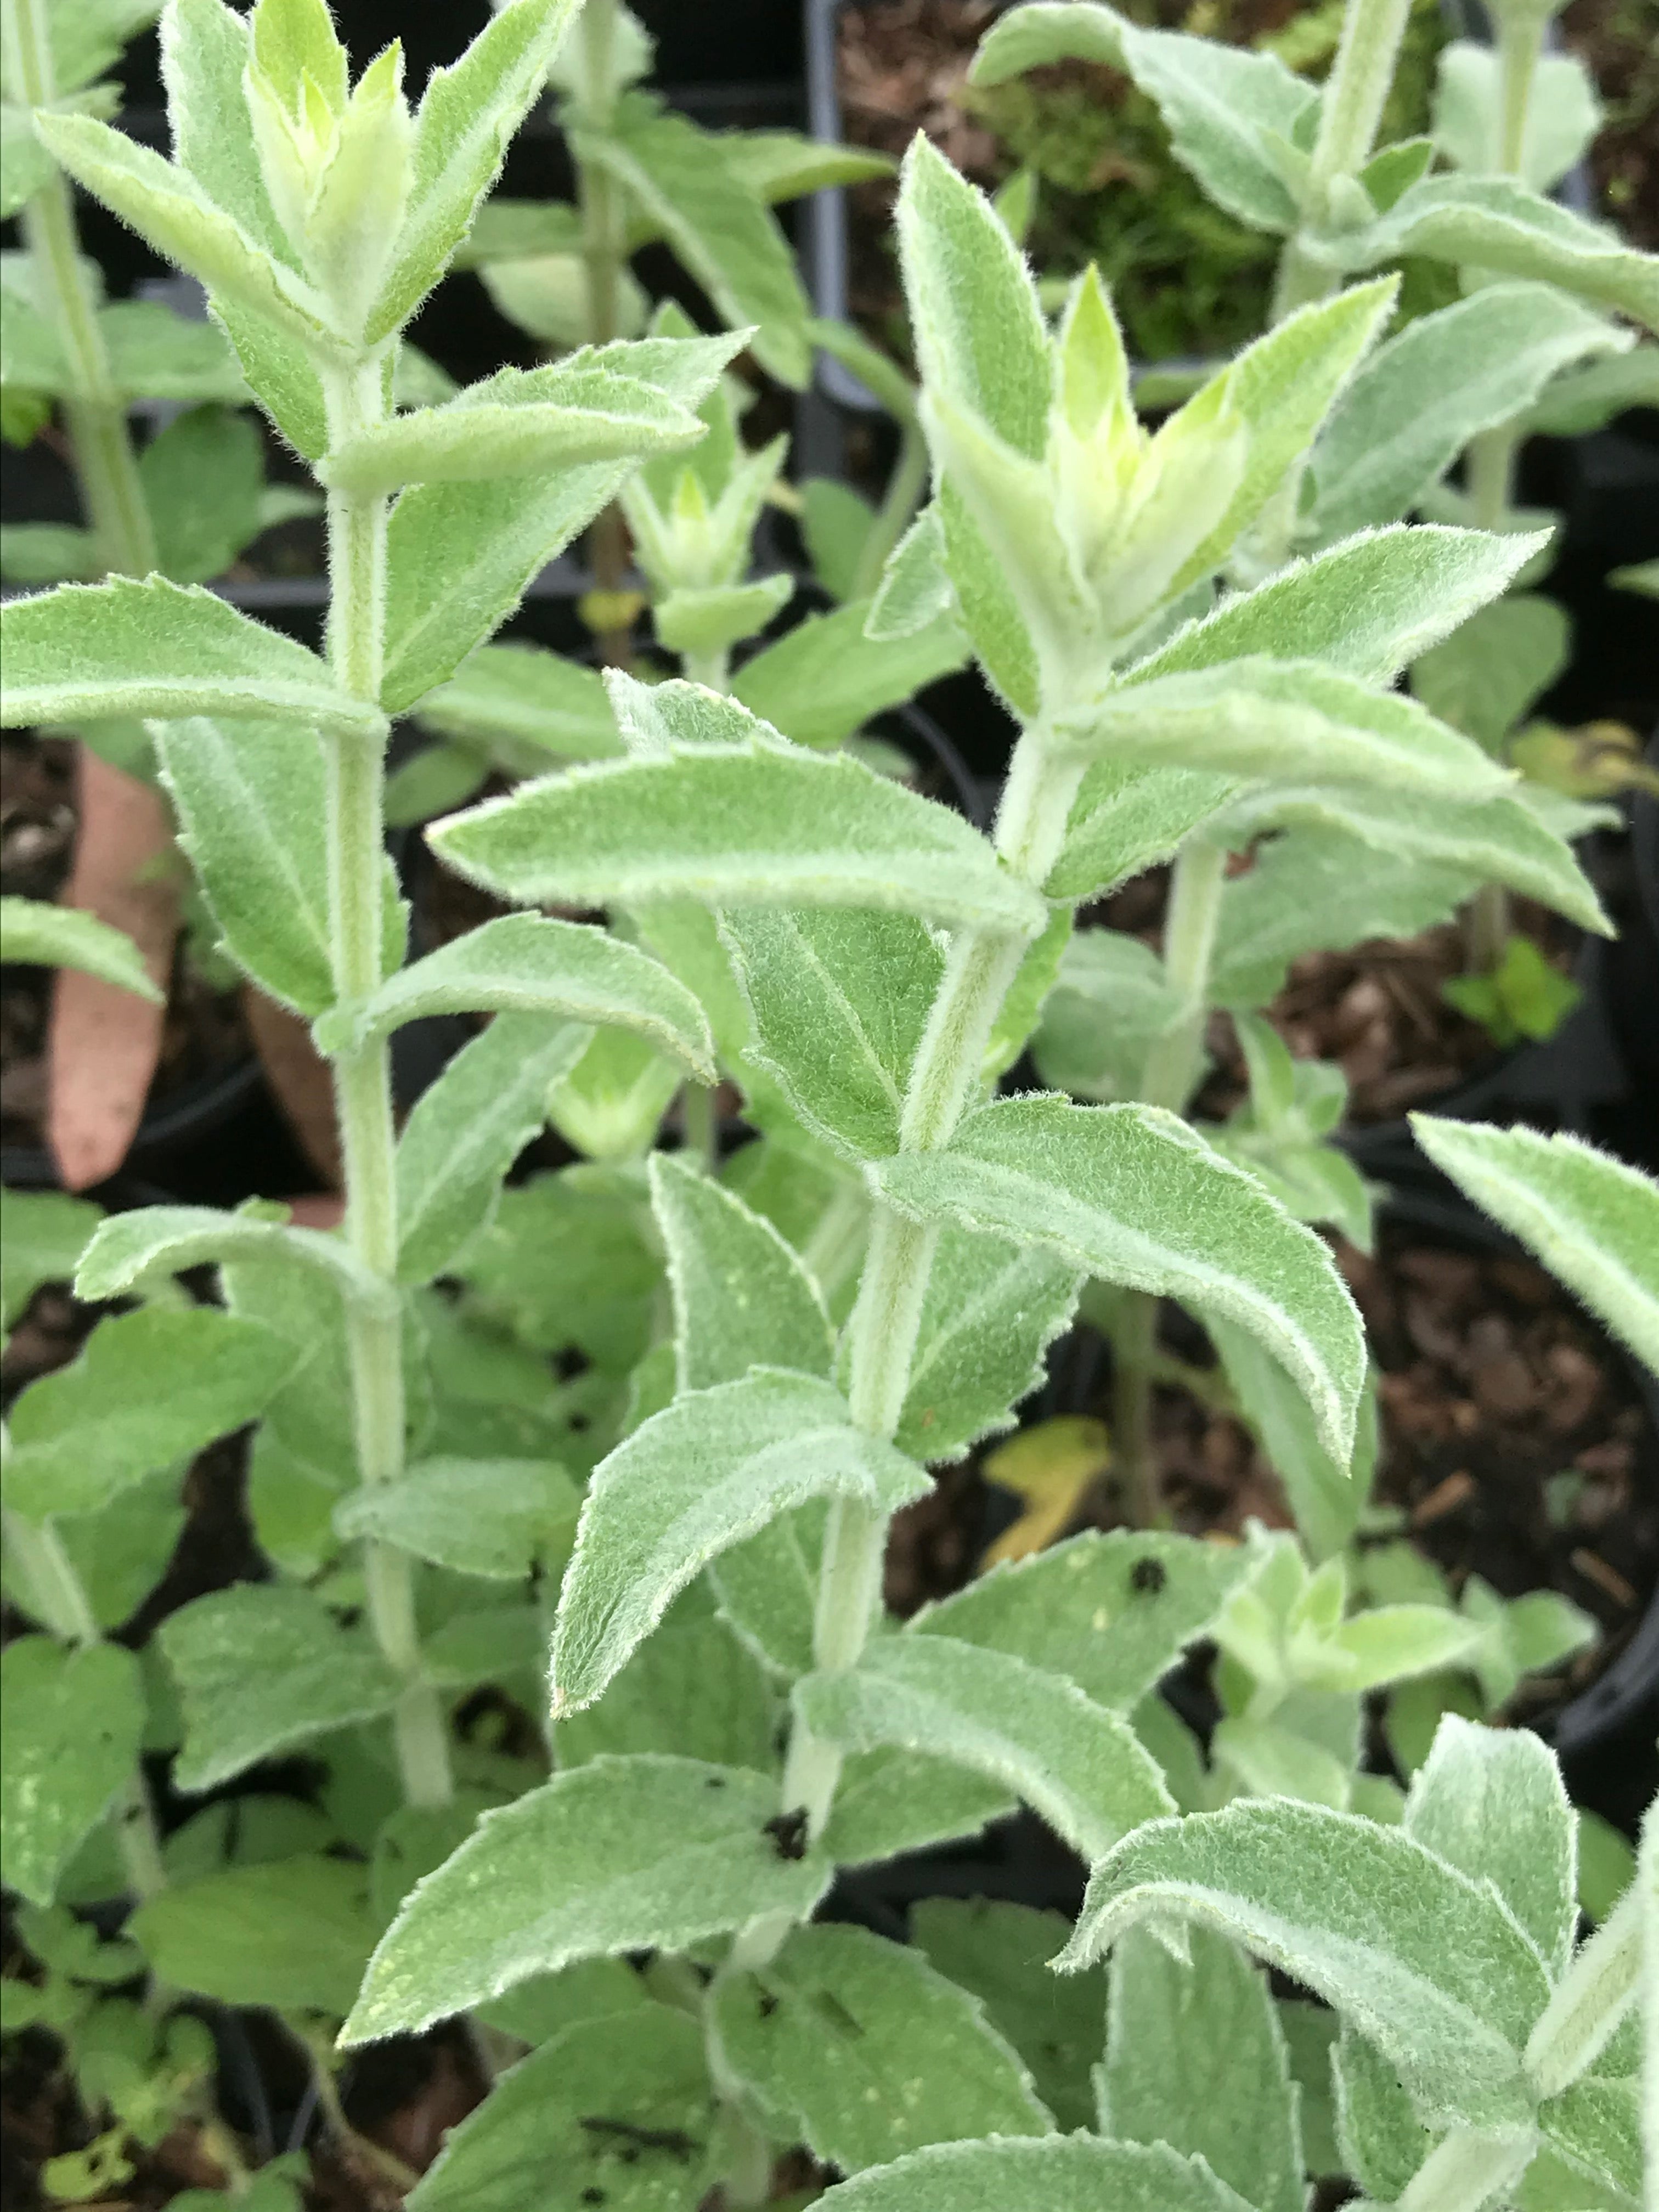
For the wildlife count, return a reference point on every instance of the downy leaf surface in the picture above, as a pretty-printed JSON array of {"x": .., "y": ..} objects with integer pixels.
[
  {"x": 1424, "y": 1961},
  {"x": 35, "y": 932},
  {"x": 1196, "y": 2057},
  {"x": 604, "y": 1299},
  {"x": 711, "y": 1469},
  {"x": 991, "y": 1311},
  {"x": 531, "y": 707},
  {"x": 1111, "y": 1003},
  {"x": 1113, "y": 1613},
  {"x": 466, "y": 1132},
  {"x": 1125, "y": 818},
  {"x": 72, "y": 1721},
  {"x": 261, "y": 1666},
  {"x": 1077, "y": 1763},
  {"x": 890, "y": 1801},
  {"x": 46, "y": 1232},
  {"x": 733, "y": 828},
  {"x": 526, "y": 963},
  {"x": 1484, "y": 678},
  {"x": 768, "y": 1588},
  {"x": 293, "y": 1934},
  {"x": 494, "y": 1518},
  {"x": 620, "y": 1854},
  {"x": 862, "y": 2051},
  {"x": 1131, "y": 1194},
  {"x": 1000, "y": 1953},
  {"x": 153, "y": 1241},
  {"x": 147, "y": 1388},
  {"x": 825, "y": 678},
  {"x": 1065, "y": 2173},
  {"x": 1593, "y": 1221},
  {"x": 742, "y": 1298},
  {"x": 1325, "y": 1499},
  {"x": 691, "y": 1688}
]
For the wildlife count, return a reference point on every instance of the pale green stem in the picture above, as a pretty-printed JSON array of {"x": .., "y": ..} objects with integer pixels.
[
  {"x": 95, "y": 412},
  {"x": 604, "y": 250},
  {"x": 1465, "y": 2171},
  {"x": 1520, "y": 44},
  {"x": 703, "y": 1134},
  {"x": 712, "y": 669},
  {"x": 1351, "y": 107},
  {"x": 362, "y": 1077},
  {"x": 899, "y": 503},
  {"x": 57, "y": 1596},
  {"x": 1598, "y": 1989}
]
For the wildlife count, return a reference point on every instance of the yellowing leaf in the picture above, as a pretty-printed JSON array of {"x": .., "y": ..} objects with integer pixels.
[{"x": 1050, "y": 1467}]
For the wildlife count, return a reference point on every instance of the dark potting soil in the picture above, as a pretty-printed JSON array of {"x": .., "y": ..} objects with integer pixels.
[{"x": 205, "y": 1034}]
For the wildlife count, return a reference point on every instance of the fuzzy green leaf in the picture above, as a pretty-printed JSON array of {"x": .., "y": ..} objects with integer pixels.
[
  {"x": 154, "y": 1241},
  {"x": 33, "y": 933},
  {"x": 1111, "y": 1002},
  {"x": 613, "y": 2111},
  {"x": 1563, "y": 114},
  {"x": 1127, "y": 818},
  {"x": 610, "y": 1104},
  {"x": 620, "y": 1854},
  {"x": 530, "y": 707},
  {"x": 91, "y": 650},
  {"x": 204, "y": 482},
  {"x": 825, "y": 678},
  {"x": 1068, "y": 2173},
  {"x": 1382, "y": 2140},
  {"x": 292, "y": 1935},
  {"x": 1115, "y": 1612},
  {"x": 1132, "y": 1195},
  {"x": 1491, "y": 1801},
  {"x": 262, "y": 1666},
  {"x": 526, "y": 963},
  {"x": 1195, "y": 2058},
  {"x": 603, "y": 1298},
  {"x": 148, "y": 1388},
  {"x": 1001, "y": 1952},
  {"x": 829, "y": 2040},
  {"x": 1077, "y": 1763},
  {"x": 46, "y": 1232},
  {"x": 1484, "y": 677},
  {"x": 1424, "y": 1961},
  {"x": 768, "y": 1587},
  {"x": 467, "y": 1130},
  {"x": 155, "y": 354},
  {"x": 1325, "y": 1499},
  {"x": 742, "y": 1298},
  {"x": 249, "y": 796},
  {"x": 1591, "y": 1219},
  {"x": 712, "y": 1470},
  {"x": 467, "y": 115},
  {"x": 733, "y": 828},
  {"x": 71, "y": 1721},
  {"x": 481, "y": 1516},
  {"x": 991, "y": 1311},
  {"x": 890, "y": 1801},
  {"x": 691, "y": 1688}
]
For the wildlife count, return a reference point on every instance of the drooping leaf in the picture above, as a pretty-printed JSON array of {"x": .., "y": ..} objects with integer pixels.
[
  {"x": 1132, "y": 1195},
  {"x": 1001, "y": 1952},
  {"x": 1591, "y": 1220},
  {"x": 529, "y": 706},
  {"x": 33, "y": 933},
  {"x": 1383, "y": 2141},
  {"x": 1423, "y": 1961},
  {"x": 147, "y": 1388},
  {"x": 1112, "y": 1612},
  {"x": 72, "y": 1720},
  {"x": 468, "y": 1128},
  {"x": 825, "y": 678},
  {"x": 1325, "y": 1498},
  {"x": 263, "y": 1665},
  {"x": 130, "y": 1250},
  {"x": 494, "y": 1518},
  {"x": 712, "y": 1468},
  {"x": 863, "y": 2050},
  {"x": 990, "y": 1312},
  {"x": 733, "y": 828},
  {"x": 741, "y": 1299},
  {"x": 1065, "y": 2173},
  {"x": 620, "y": 1854},
  {"x": 614, "y": 2110},
  {"x": 1076, "y": 1763},
  {"x": 123, "y": 648},
  {"x": 293, "y": 1934},
  {"x": 1196, "y": 2057}
]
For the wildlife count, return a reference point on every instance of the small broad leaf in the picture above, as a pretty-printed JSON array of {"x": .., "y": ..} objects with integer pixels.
[
  {"x": 1491, "y": 1800},
  {"x": 46, "y": 1232},
  {"x": 1484, "y": 677},
  {"x": 1111, "y": 1002},
  {"x": 620, "y": 1854},
  {"x": 1369, "y": 606},
  {"x": 155, "y": 354},
  {"x": 148, "y": 1388},
  {"x": 1113, "y": 1612},
  {"x": 1195, "y": 2058},
  {"x": 459, "y": 556},
  {"x": 293, "y": 1935},
  {"x": 1563, "y": 114},
  {"x": 1423, "y": 1961},
  {"x": 121, "y": 647},
  {"x": 1132, "y": 1195},
  {"x": 1591, "y": 1220},
  {"x": 35, "y": 933},
  {"x": 1065, "y": 2173},
  {"x": 494, "y": 1518},
  {"x": 528, "y": 707},
  {"x": 603, "y": 1298},
  {"x": 1382, "y": 2140},
  {"x": 204, "y": 482},
  {"x": 468, "y": 113},
  {"x": 767, "y": 1585},
  {"x": 838, "y": 1001},
  {"x": 249, "y": 796},
  {"x": 1325, "y": 1499},
  {"x": 691, "y": 1688},
  {"x": 742, "y": 1298},
  {"x": 715, "y": 222},
  {"x": 828, "y": 2040},
  {"x": 613, "y": 2111},
  {"x": 1074, "y": 1762},
  {"x": 1414, "y": 405},
  {"x": 915, "y": 588},
  {"x": 1001, "y": 1952},
  {"x": 1124, "y": 819},
  {"x": 130, "y": 1250},
  {"x": 525, "y": 963},
  {"x": 712, "y": 1470},
  {"x": 890, "y": 1801},
  {"x": 733, "y": 828},
  {"x": 991, "y": 1312},
  {"x": 72, "y": 1721},
  {"x": 825, "y": 678},
  {"x": 261, "y": 1666},
  {"x": 468, "y": 1128},
  {"x": 610, "y": 1103}
]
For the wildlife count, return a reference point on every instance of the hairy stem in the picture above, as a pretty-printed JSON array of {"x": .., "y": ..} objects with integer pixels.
[
  {"x": 95, "y": 411},
  {"x": 1351, "y": 109},
  {"x": 362, "y": 1077},
  {"x": 1465, "y": 2171},
  {"x": 604, "y": 250}
]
